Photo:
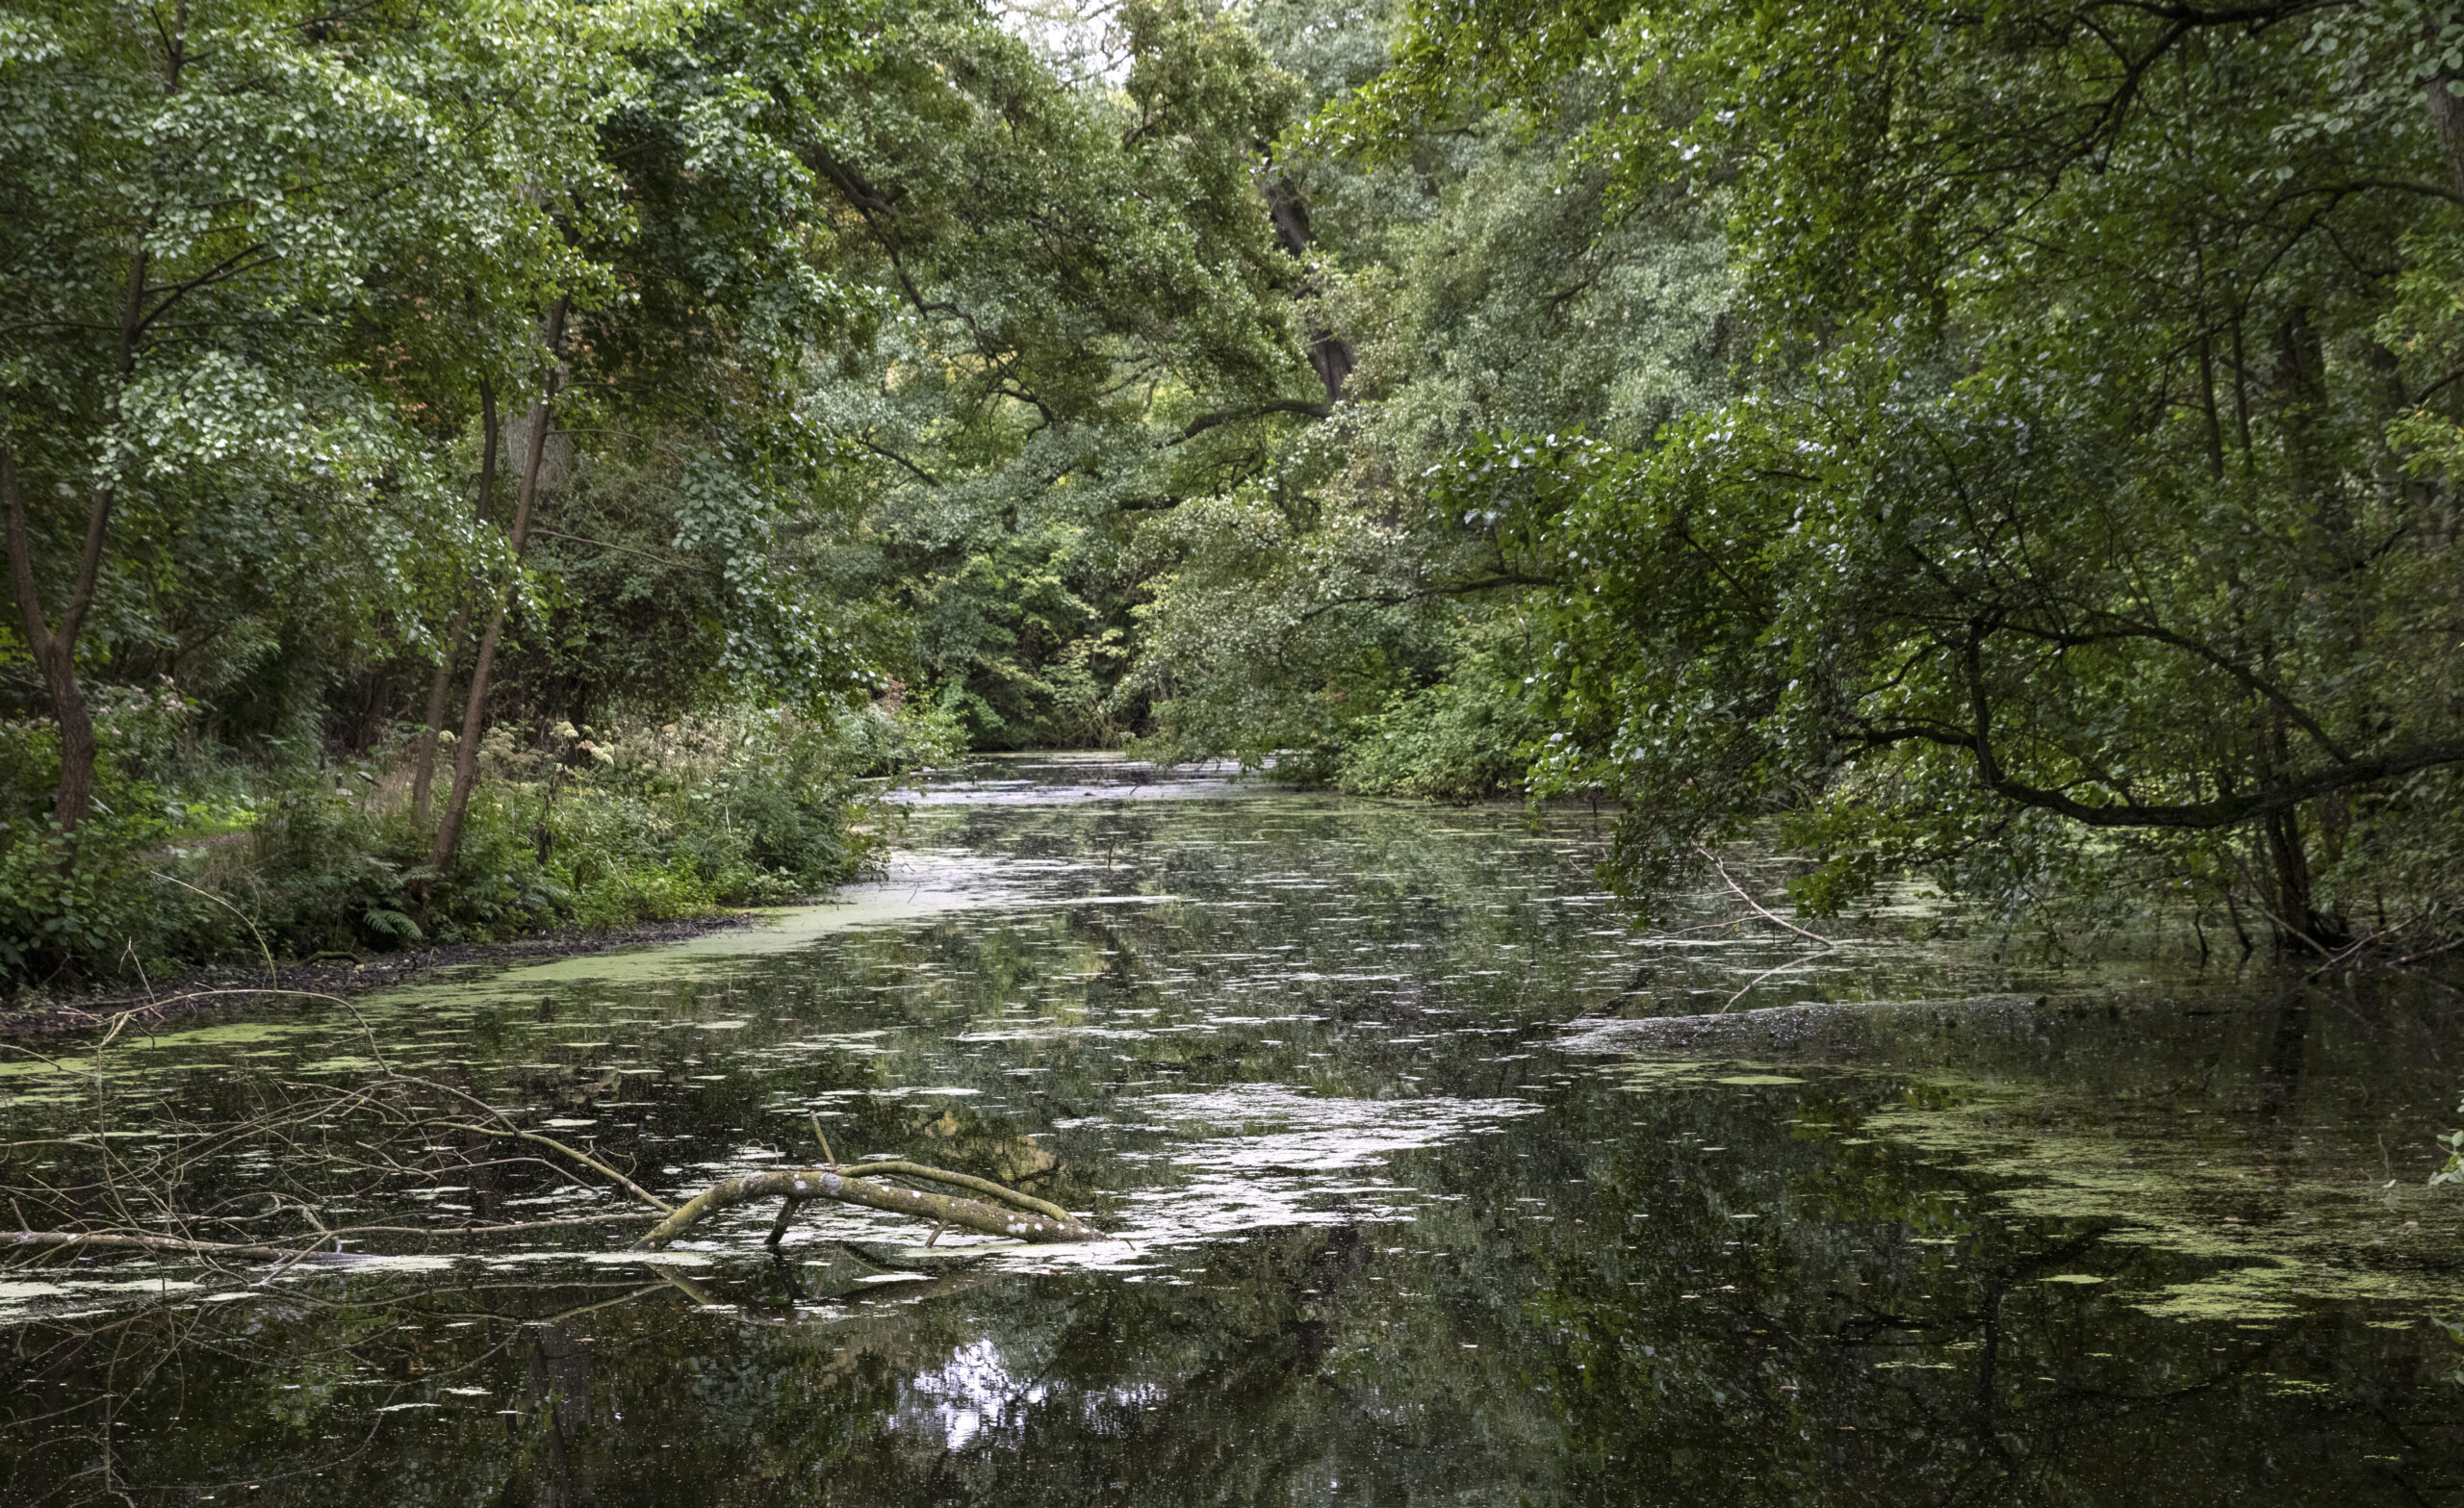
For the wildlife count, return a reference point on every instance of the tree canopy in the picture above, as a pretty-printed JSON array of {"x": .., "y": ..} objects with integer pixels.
[
  {"x": 2083, "y": 499},
  {"x": 2010, "y": 442}
]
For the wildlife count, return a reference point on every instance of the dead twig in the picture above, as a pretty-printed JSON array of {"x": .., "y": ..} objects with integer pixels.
[{"x": 583, "y": 1157}]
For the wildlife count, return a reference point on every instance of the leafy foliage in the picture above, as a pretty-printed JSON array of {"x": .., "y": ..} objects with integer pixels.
[
  {"x": 2014, "y": 445},
  {"x": 599, "y": 828},
  {"x": 2073, "y": 508}
]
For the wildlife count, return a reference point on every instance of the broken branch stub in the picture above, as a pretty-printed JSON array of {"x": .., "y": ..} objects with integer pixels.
[{"x": 798, "y": 1185}]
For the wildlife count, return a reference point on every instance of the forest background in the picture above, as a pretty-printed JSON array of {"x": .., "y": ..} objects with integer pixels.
[{"x": 472, "y": 468}]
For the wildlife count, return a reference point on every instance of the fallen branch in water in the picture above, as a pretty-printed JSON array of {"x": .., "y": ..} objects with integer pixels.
[
  {"x": 327, "y": 1244},
  {"x": 314, "y": 1150},
  {"x": 899, "y": 1167},
  {"x": 113, "y": 1241},
  {"x": 1027, "y": 1218}
]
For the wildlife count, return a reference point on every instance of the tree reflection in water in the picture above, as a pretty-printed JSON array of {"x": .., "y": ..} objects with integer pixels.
[{"x": 1395, "y": 1234}]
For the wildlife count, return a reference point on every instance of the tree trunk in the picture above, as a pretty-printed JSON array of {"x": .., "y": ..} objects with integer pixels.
[
  {"x": 1329, "y": 354},
  {"x": 466, "y": 753},
  {"x": 435, "y": 725},
  {"x": 2446, "y": 116},
  {"x": 55, "y": 656},
  {"x": 432, "y": 723},
  {"x": 2300, "y": 926},
  {"x": 55, "y": 650}
]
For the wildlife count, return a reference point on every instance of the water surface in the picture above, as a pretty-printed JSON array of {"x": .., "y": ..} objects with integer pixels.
[{"x": 1434, "y": 1182}]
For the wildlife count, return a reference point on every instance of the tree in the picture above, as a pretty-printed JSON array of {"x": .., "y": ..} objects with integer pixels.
[
  {"x": 2067, "y": 515},
  {"x": 1084, "y": 318},
  {"x": 1333, "y": 617},
  {"x": 207, "y": 211}
]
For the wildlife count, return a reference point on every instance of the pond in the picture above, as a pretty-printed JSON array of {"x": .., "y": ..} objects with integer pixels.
[{"x": 1430, "y": 1180}]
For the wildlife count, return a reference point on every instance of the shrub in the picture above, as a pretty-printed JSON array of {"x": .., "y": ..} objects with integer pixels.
[
  {"x": 1464, "y": 738},
  {"x": 569, "y": 826}
]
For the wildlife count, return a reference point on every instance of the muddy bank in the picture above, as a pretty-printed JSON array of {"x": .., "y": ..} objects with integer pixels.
[{"x": 223, "y": 987}]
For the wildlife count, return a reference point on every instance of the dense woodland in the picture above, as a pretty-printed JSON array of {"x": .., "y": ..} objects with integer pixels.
[{"x": 474, "y": 467}]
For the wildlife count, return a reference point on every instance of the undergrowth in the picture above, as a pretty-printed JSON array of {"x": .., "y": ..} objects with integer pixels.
[{"x": 193, "y": 855}]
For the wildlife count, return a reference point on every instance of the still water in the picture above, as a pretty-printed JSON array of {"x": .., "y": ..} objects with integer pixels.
[{"x": 1434, "y": 1182}]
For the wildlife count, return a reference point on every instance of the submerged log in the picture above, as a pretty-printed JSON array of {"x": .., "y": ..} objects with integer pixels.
[{"x": 1026, "y": 1218}]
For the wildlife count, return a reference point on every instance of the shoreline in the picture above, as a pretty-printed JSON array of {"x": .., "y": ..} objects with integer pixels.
[{"x": 222, "y": 988}]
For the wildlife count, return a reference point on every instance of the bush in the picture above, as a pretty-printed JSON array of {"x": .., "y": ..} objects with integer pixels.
[
  {"x": 91, "y": 904},
  {"x": 1465, "y": 738},
  {"x": 569, "y": 826}
]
